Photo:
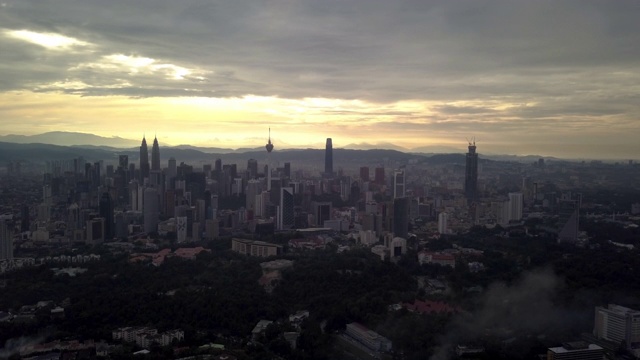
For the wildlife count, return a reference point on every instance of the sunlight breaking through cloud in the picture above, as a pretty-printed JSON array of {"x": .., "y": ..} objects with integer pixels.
[
  {"x": 47, "y": 40},
  {"x": 140, "y": 65}
]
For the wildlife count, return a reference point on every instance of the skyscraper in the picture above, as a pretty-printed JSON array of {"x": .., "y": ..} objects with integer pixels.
[
  {"x": 172, "y": 169},
  {"x": 144, "y": 160},
  {"x": 151, "y": 211},
  {"x": 252, "y": 168},
  {"x": 286, "y": 218},
  {"x": 155, "y": 155},
  {"x": 401, "y": 217},
  {"x": 328, "y": 159},
  {"x": 399, "y": 188},
  {"x": 106, "y": 212},
  {"x": 6, "y": 241},
  {"x": 471, "y": 173}
]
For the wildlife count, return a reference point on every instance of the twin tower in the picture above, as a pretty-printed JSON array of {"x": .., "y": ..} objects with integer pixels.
[{"x": 144, "y": 157}]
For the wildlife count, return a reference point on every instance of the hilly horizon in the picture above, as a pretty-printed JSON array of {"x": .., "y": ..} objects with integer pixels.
[
  {"x": 116, "y": 143},
  {"x": 71, "y": 138},
  {"x": 129, "y": 146}
]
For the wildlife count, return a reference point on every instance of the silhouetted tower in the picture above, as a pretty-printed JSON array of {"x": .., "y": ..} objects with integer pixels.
[
  {"x": 155, "y": 155},
  {"x": 269, "y": 145},
  {"x": 328, "y": 159},
  {"x": 144, "y": 160},
  {"x": 252, "y": 168},
  {"x": 471, "y": 173},
  {"x": 267, "y": 174}
]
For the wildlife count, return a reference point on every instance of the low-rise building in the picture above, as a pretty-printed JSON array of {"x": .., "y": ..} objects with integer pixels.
[
  {"x": 425, "y": 257},
  {"x": 578, "y": 350},
  {"x": 368, "y": 338},
  {"x": 255, "y": 248},
  {"x": 259, "y": 329}
]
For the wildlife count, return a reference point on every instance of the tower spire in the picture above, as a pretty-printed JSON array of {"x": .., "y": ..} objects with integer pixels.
[{"x": 269, "y": 145}]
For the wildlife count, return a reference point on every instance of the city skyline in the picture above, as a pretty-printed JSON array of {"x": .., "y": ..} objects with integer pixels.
[{"x": 543, "y": 78}]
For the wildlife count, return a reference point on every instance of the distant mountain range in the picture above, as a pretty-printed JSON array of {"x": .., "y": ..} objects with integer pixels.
[
  {"x": 65, "y": 138},
  {"x": 59, "y": 145}
]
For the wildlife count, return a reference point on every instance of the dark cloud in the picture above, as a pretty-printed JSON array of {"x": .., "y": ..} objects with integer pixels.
[
  {"x": 480, "y": 65},
  {"x": 377, "y": 50}
]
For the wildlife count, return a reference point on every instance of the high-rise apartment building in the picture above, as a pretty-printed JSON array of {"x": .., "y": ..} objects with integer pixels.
[
  {"x": 515, "y": 206},
  {"x": 443, "y": 226},
  {"x": 471, "y": 173}
]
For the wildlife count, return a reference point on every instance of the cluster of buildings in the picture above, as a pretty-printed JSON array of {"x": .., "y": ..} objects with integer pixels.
[{"x": 96, "y": 202}]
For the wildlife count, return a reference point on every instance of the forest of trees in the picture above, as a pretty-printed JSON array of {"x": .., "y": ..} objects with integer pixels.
[{"x": 217, "y": 297}]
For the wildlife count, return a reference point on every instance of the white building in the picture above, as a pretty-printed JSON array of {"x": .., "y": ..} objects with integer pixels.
[
  {"x": 618, "y": 323},
  {"x": 381, "y": 251},
  {"x": 368, "y": 237},
  {"x": 259, "y": 329}
]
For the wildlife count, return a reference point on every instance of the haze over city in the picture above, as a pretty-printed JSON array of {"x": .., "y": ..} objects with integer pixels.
[{"x": 547, "y": 78}]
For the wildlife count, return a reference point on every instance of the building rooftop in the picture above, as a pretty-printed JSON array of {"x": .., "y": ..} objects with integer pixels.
[
  {"x": 622, "y": 310},
  {"x": 574, "y": 346}
]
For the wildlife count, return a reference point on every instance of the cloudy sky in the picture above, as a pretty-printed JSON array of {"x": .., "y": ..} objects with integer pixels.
[{"x": 523, "y": 77}]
